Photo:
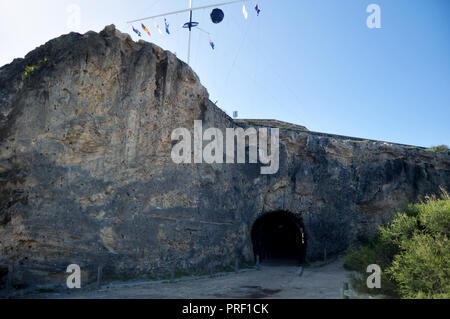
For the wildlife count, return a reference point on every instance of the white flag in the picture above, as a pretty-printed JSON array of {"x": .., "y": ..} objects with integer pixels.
[
  {"x": 244, "y": 12},
  {"x": 158, "y": 28}
]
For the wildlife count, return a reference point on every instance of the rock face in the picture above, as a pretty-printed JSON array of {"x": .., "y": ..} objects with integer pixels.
[{"x": 86, "y": 175}]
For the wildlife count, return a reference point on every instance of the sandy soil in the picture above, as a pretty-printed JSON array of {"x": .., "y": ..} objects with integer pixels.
[{"x": 271, "y": 281}]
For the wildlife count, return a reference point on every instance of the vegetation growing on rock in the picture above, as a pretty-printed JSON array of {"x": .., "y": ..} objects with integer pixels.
[
  {"x": 439, "y": 149},
  {"x": 29, "y": 69}
]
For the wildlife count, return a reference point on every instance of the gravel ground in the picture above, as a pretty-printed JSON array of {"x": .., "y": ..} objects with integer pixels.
[{"x": 271, "y": 281}]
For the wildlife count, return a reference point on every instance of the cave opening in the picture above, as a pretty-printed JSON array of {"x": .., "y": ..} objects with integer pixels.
[{"x": 279, "y": 237}]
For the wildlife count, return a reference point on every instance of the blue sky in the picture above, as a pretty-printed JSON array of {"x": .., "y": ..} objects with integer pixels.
[{"x": 310, "y": 62}]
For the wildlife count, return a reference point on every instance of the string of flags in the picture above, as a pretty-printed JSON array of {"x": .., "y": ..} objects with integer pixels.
[
  {"x": 244, "y": 12},
  {"x": 217, "y": 16},
  {"x": 136, "y": 31},
  {"x": 257, "y": 9},
  {"x": 167, "y": 26},
  {"x": 146, "y": 30},
  {"x": 158, "y": 28}
]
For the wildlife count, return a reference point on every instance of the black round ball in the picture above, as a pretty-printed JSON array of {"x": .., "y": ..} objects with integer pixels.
[{"x": 217, "y": 16}]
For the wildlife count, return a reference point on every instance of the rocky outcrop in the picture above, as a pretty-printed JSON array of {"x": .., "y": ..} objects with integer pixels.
[{"x": 86, "y": 175}]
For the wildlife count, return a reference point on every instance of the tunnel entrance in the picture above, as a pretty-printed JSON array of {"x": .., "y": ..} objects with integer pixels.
[{"x": 279, "y": 236}]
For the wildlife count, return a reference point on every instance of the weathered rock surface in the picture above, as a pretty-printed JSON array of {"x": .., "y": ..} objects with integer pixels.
[{"x": 86, "y": 175}]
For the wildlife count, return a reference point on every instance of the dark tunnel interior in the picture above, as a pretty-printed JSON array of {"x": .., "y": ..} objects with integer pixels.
[{"x": 279, "y": 236}]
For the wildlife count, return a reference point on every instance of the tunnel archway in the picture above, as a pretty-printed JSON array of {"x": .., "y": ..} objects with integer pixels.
[{"x": 279, "y": 236}]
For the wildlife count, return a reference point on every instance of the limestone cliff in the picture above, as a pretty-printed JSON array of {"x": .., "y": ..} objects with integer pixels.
[{"x": 86, "y": 175}]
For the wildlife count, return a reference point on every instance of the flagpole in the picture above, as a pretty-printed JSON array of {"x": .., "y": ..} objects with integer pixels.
[{"x": 190, "y": 30}]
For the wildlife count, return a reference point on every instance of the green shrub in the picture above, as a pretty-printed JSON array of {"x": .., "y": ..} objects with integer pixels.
[
  {"x": 422, "y": 269},
  {"x": 401, "y": 228},
  {"x": 29, "y": 69},
  {"x": 439, "y": 149},
  {"x": 434, "y": 215},
  {"x": 413, "y": 252},
  {"x": 377, "y": 252}
]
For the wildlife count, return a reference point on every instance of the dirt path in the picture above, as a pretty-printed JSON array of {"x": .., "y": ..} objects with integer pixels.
[{"x": 270, "y": 282}]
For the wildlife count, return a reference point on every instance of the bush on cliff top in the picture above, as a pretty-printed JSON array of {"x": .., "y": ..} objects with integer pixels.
[
  {"x": 439, "y": 149},
  {"x": 413, "y": 252}
]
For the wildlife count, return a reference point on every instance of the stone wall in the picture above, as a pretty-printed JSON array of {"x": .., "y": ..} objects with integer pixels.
[{"x": 86, "y": 175}]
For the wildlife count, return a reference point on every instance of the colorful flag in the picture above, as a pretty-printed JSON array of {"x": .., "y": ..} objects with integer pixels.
[
  {"x": 167, "y": 26},
  {"x": 146, "y": 30},
  {"x": 211, "y": 43},
  {"x": 158, "y": 28},
  {"x": 244, "y": 12},
  {"x": 136, "y": 31},
  {"x": 258, "y": 10}
]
